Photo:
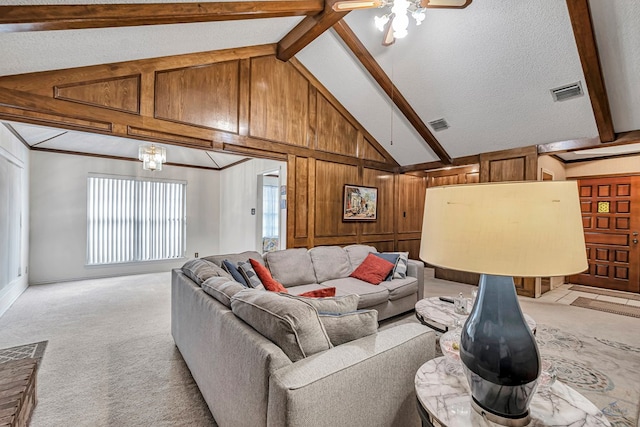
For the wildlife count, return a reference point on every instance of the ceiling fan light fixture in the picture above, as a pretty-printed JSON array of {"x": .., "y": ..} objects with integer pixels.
[
  {"x": 418, "y": 15},
  {"x": 381, "y": 21}
]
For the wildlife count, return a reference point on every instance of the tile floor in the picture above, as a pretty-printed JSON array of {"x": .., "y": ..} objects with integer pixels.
[{"x": 563, "y": 295}]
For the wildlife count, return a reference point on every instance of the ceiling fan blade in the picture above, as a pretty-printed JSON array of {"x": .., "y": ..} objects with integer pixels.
[
  {"x": 388, "y": 39},
  {"x": 451, "y": 4},
  {"x": 345, "y": 5}
]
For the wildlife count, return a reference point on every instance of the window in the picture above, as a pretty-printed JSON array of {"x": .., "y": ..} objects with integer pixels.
[
  {"x": 132, "y": 220},
  {"x": 270, "y": 211}
]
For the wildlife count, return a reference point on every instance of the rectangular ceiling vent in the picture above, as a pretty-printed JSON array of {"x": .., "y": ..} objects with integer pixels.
[
  {"x": 567, "y": 92},
  {"x": 438, "y": 125}
]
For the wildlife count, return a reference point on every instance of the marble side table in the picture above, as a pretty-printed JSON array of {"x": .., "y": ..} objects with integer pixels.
[
  {"x": 440, "y": 315},
  {"x": 444, "y": 400}
]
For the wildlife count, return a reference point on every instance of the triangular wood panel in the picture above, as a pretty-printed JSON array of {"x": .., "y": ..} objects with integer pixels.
[
  {"x": 122, "y": 94},
  {"x": 369, "y": 152},
  {"x": 335, "y": 134}
]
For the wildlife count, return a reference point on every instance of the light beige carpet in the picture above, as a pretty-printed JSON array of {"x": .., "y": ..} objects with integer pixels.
[{"x": 111, "y": 361}]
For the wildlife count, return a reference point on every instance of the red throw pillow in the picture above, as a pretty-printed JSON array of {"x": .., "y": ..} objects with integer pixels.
[
  {"x": 372, "y": 270},
  {"x": 320, "y": 293},
  {"x": 265, "y": 277}
]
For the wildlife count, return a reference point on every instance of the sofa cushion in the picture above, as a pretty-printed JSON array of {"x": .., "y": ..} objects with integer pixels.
[
  {"x": 232, "y": 269},
  {"x": 332, "y": 305},
  {"x": 399, "y": 288},
  {"x": 357, "y": 254},
  {"x": 235, "y": 258},
  {"x": 200, "y": 270},
  {"x": 222, "y": 289},
  {"x": 249, "y": 274},
  {"x": 342, "y": 328},
  {"x": 292, "y": 324},
  {"x": 369, "y": 295},
  {"x": 330, "y": 262},
  {"x": 392, "y": 258},
  {"x": 265, "y": 277},
  {"x": 291, "y": 267},
  {"x": 373, "y": 269}
]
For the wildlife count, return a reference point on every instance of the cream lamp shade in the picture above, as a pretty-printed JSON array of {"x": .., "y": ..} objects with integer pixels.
[{"x": 524, "y": 229}]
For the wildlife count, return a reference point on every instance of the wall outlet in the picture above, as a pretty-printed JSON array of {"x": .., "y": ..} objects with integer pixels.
[
  {"x": 253, "y": 211},
  {"x": 196, "y": 254}
]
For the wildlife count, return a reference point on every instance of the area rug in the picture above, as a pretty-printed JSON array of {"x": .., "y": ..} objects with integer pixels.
[
  {"x": 609, "y": 307},
  {"x": 604, "y": 371},
  {"x": 608, "y": 292},
  {"x": 34, "y": 350}
]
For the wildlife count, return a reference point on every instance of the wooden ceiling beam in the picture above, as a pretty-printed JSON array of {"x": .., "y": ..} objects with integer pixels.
[
  {"x": 580, "y": 17},
  {"x": 64, "y": 17},
  {"x": 307, "y": 31},
  {"x": 367, "y": 60}
]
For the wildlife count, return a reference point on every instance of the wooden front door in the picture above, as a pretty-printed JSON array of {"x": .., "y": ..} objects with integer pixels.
[{"x": 611, "y": 221}]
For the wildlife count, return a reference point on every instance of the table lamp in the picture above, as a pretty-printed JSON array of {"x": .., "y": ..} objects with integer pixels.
[{"x": 501, "y": 230}]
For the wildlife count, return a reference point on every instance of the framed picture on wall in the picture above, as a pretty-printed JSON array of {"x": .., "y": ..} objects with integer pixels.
[{"x": 360, "y": 203}]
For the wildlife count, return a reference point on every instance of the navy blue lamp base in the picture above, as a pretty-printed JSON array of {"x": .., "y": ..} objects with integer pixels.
[{"x": 499, "y": 354}]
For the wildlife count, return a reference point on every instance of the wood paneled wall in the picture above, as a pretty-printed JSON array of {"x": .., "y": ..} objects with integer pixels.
[
  {"x": 513, "y": 165},
  {"x": 242, "y": 101}
]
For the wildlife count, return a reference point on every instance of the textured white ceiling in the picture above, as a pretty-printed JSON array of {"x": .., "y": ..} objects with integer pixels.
[
  {"x": 487, "y": 69},
  {"x": 26, "y": 52},
  {"x": 617, "y": 28},
  {"x": 362, "y": 97}
]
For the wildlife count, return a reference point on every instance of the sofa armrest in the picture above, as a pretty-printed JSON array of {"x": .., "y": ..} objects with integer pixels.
[
  {"x": 366, "y": 382},
  {"x": 415, "y": 269}
]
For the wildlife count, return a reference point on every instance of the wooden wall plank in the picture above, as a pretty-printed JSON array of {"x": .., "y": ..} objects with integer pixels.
[
  {"x": 410, "y": 203},
  {"x": 279, "y": 102},
  {"x": 384, "y": 182},
  {"x": 301, "y": 197},
  {"x": 122, "y": 93},
  {"x": 334, "y": 133},
  {"x": 329, "y": 186},
  {"x": 203, "y": 96}
]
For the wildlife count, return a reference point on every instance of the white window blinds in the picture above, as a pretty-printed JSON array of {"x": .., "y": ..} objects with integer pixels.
[{"x": 132, "y": 220}]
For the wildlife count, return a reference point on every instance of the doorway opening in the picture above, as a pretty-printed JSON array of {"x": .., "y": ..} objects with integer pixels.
[{"x": 271, "y": 208}]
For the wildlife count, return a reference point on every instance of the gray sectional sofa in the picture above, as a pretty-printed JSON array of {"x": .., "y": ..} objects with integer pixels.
[
  {"x": 301, "y": 270},
  {"x": 248, "y": 380}
]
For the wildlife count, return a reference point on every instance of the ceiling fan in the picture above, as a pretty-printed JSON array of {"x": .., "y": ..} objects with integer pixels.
[{"x": 395, "y": 22}]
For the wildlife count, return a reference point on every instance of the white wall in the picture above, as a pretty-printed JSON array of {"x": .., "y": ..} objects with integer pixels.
[
  {"x": 550, "y": 164},
  {"x": 58, "y": 219},
  {"x": 239, "y": 183},
  {"x": 618, "y": 166},
  {"x": 13, "y": 150}
]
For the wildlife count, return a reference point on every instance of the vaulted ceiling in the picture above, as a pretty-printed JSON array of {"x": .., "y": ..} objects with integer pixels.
[{"x": 486, "y": 69}]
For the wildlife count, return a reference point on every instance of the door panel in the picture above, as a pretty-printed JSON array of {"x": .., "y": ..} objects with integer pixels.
[{"x": 611, "y": 220}]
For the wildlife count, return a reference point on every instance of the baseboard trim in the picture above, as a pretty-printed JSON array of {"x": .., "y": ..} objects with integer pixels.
[{"x": 11, "y": 293}]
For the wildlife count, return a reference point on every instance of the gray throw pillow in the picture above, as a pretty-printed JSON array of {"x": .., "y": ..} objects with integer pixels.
[
  {"x": 234, "y": 272},
  {"x": 200, "y": 270},
  {"x": 346, "y": 327},
  {"x": 400, "y": 269},
  {"x": 331, "y": 305},
  {"x": 293, "y": 325},
  {"x": 249, "y": 274},
  {"x": 222, "y": 289}
]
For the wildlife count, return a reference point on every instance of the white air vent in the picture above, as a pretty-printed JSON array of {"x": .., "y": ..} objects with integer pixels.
[
  {"x": 438, "y": 125},
  {"x": 566, "y": 92}
]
